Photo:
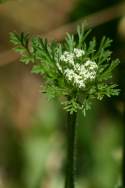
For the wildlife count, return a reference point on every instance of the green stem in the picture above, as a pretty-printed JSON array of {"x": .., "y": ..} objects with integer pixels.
[
  {"x": 71, "y": 150},
  {"x": 123, "y": 157}
]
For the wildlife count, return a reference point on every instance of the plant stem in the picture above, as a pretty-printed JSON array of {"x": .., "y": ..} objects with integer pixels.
[
  {"x": 71, "y": 150},
  {"x": 123, "y": 157}
]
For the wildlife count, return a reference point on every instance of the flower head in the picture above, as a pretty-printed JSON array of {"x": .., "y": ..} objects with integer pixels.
[
  {"x": 74, "y": 69},
  {"x": 78, "y": 74}
]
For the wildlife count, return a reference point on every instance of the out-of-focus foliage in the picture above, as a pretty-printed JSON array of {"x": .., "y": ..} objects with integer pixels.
[
  {"x": 2, "y": 1},
  {"x": 87, "y": 7},
  {"x": 43, "y": 148}
]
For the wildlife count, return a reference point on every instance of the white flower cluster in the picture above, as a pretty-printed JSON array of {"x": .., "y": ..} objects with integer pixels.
[
  {"x": 87, "y": 70},
  {"x": 74, "y": 77},
  {"x": 69, "y": 57},
  {"x": 78, "y": 52},
  {"x": 78, "y": 74}
]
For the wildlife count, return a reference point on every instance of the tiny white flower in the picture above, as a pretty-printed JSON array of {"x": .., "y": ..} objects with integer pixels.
[
  {"x": 92, "y": 77},
  {"x": 91, "y": 64},
  {"x": 67, "y": 57},
  {"x": 59, "y": 67},
  {"x": 88, "y": 63},
  {"x": 83, "y": 71},
  {"x": 78, "y": 81},
  {"x": 62, "y": 58},
  {"x": 81, "y": 84},
  {"x": 71, "y": 61},
  {"x": 87, "y": 76},
  {"x": 66, "y": 53},
  {"x": 77, "y": 78},
  {"x": 69, "y": 73},
  {"x": 78, "y": 52},
  {"x": 77, "y": 67}
]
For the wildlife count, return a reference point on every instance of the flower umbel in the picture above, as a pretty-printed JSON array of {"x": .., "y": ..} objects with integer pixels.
[
  {"x": 77, "y": 70},
  {"x": 78, "y": 74}
]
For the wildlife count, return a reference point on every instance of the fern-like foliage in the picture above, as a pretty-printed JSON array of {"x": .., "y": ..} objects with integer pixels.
[{"x": 64, "y": 67}]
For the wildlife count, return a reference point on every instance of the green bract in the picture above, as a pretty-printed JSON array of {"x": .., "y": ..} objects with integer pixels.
[{"x": 78, "y": 71}]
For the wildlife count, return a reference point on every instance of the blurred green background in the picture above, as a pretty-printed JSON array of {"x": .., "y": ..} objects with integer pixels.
[{"x": 32, "y": 129}]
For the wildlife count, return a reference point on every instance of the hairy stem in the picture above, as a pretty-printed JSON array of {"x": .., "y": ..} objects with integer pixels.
[{"x": 71, "y": 150}]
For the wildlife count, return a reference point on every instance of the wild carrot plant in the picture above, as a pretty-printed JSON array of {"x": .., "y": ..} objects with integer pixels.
[{"x": 74, "y": 71}]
